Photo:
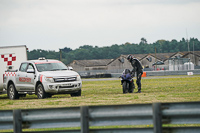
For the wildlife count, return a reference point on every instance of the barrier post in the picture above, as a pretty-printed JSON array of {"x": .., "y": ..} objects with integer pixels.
[
  {"x": 157, "y": 117},
  {"x": 84, "y": 119},
  {"x": 17, "y": 121}
]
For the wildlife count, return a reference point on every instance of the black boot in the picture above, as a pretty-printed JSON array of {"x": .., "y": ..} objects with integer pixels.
[{"x": 139, "y": 90}]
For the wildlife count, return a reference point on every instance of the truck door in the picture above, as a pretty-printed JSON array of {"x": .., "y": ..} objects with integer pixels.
[
  {"x": 30, "y": 77},
  {"x": 20, "y": 76},
  {"x": 25, "y": 80}
]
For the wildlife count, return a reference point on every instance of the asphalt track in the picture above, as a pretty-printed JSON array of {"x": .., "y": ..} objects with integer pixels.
[{"x": 150, "y": 77}]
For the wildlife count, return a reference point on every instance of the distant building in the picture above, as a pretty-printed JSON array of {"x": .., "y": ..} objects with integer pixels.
[
  {"x": 194, "y": 57},
  {"x": 155, "y": 61},
  {"x": 90, "y": 65}
]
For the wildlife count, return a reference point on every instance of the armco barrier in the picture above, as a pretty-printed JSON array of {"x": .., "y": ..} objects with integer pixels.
[{"x": 155, "y": 114}]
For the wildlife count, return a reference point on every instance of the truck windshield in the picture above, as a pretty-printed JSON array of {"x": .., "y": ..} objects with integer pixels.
[{"x": 51, "y": 66}]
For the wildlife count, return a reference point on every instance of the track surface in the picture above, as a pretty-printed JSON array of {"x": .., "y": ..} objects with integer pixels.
[{"x": 150, "y": 77}]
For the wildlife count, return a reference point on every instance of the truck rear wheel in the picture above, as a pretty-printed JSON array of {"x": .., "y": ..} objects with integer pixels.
[
  {"x": 12, "y": 93},
  {"x": 40, "y": 92}
]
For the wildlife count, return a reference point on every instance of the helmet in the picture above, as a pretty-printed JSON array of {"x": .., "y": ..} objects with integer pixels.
[{"x": 129, "y": 57}]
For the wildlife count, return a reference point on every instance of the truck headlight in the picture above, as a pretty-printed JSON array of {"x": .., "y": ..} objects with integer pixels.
[
  {"x": 49, "y": 79},
  {"x": 78, "y": 77}
]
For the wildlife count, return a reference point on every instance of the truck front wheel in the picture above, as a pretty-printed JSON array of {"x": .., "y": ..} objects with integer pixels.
[
  {"x": 40, "y": 92},
  {"x": 12, "y": 93}
]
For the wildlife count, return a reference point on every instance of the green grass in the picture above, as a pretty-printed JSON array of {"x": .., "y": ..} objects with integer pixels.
[
  {"x": 179, "y": 89},
  {"x": 171, "y": 89}
]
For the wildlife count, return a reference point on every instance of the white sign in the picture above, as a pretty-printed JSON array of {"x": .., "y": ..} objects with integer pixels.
[{"x": 189, "y": 73}]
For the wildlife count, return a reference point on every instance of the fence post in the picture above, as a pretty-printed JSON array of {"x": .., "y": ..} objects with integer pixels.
[
  {"x": 84, "y": 119},
  {"x": 17, "y": 121},
  {"x": 157, "y": 117}
]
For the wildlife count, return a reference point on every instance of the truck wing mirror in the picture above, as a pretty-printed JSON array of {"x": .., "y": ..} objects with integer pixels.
[
  {"x": 70, "y": 68},
  {"x": 30, "y": 71}
]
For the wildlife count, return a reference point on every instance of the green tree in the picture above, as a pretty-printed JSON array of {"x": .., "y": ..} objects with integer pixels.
[{"x": 87, "y": 52}]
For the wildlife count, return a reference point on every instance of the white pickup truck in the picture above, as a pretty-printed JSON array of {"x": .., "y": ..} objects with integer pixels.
[{"x": 42, "y": 77}]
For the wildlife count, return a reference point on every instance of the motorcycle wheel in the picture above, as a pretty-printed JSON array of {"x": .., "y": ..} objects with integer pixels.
[{"x": 125, "y": 87}]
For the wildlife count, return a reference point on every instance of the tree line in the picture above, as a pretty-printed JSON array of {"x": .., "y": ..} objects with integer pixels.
[{"x": 86, "y": 52}]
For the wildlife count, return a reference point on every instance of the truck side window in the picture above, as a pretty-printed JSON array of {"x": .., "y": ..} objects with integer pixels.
[
  {"x": 23, "y": 67},
  {"x": 30, "y": 67}
]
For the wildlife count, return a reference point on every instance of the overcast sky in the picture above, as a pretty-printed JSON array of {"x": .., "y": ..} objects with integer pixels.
[{"x": 54, "y": 24}]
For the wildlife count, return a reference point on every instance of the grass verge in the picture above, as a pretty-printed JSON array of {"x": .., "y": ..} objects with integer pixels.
[{"x": 178, "y": 89}]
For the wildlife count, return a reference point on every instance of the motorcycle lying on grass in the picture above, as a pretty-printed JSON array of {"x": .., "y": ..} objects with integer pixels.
[{"x": 127, "y": 81}]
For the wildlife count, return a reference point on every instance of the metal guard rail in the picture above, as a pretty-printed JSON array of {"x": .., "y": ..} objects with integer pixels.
[{"x": 155, "y": 114}]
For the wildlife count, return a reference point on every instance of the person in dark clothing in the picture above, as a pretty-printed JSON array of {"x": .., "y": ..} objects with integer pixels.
[{"x": 137, "y": 68}]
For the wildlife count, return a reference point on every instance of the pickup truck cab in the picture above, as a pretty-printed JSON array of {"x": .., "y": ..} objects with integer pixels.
[{"x": 42, "y": 77}]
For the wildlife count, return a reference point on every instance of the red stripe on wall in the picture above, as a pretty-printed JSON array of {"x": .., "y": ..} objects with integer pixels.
[{"x": 47, "y": 62}]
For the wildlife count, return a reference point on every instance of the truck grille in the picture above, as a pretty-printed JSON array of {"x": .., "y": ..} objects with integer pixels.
[
  {"x": 65, "y": 79},
  {"x": 66, "y": 86}
]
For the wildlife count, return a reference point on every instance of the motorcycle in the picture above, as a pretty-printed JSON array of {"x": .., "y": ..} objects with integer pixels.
[{"x": 127, "y": 81}]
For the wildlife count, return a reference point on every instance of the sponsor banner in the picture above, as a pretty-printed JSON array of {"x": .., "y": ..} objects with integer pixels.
[
  {"x": 189, "y": 73},
  {"x": 24, "y": 79}
]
